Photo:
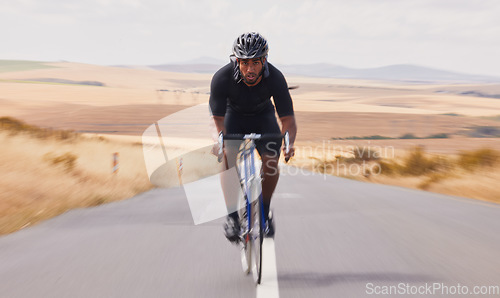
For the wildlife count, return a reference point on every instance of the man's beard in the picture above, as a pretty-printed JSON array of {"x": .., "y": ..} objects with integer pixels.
[{"x": 254, "y": 80}]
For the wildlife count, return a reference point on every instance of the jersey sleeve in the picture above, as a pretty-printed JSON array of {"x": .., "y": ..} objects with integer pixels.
[
  {"x": 281, "y": 95},
  {"x": 218, "y": 94}
]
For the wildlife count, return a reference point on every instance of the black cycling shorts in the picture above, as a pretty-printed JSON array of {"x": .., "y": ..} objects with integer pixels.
[{"x": 264, "y": 122}]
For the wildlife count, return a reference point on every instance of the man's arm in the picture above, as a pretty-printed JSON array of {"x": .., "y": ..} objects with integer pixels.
[
  {"x": 288, "y": 124},
  {"x": 219, "y": 88},
  {"x": 219, "y": 124}
]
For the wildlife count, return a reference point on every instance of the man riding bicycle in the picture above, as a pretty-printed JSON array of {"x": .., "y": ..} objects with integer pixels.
[{"x": 240, "y": 103}]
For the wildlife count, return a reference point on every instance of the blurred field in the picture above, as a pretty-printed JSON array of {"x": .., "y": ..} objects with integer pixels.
[
  {"x": 17, "y": 65},
  {"x": 44, "y": 175},
  {"x": 469, "y": 173}
]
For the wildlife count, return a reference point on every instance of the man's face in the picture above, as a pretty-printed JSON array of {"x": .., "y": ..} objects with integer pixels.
[{"x": 251, "y": 70}]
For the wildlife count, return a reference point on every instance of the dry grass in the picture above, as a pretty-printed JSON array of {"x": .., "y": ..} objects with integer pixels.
[
  {"x": 417, "y": 163},
  {"x": 42, "y": 177},
  {"x": 470, "y": 173},
  {"x": 481, "y": 184},
  {"x": 471, "y": 160},
  {"x": 349, "y": 163},
  {"x": 14, "y": 126}
]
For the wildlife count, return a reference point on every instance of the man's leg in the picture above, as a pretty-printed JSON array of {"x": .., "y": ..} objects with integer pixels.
[
  {"x": 232, "y": 190},
  {"x": 229, "y": 179},
  {"x": 270, "y": 177}
]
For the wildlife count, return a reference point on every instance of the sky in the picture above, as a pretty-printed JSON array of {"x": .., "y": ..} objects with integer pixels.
[{"x": 455, "y": 35}]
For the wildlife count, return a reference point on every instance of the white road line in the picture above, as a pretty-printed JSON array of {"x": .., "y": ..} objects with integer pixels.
[{"x": 269, "y": 283}]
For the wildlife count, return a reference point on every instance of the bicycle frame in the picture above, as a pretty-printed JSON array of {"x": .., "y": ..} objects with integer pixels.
[
  {"x": 248, "y": 177},
  {"x": 250, "y": 238}
]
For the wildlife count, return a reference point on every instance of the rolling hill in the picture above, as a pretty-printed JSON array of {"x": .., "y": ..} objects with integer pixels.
[{"x": 399, "y": 72}]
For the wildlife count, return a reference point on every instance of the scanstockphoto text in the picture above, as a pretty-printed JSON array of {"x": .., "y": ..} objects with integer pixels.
[{"x": 436, "y": 288}]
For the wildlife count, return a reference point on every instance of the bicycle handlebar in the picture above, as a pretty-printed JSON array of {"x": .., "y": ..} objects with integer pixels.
[{"x": 254, "y": 136}]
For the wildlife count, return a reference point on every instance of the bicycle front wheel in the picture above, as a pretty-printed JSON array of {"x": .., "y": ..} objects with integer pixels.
[
  {"x": 245, "y": 243},
  {"x": 257, "y": 236}
]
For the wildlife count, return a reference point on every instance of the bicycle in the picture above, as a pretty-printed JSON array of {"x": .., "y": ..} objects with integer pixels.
[{"x": 250, "y": 206}]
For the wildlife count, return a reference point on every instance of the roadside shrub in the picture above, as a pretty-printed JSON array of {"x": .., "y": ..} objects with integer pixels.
[
  {"x": 15, "y": 126},
  {"x": 470, "y": 160},
  {"x": 66, "y": 160},
  {"x": 417, "y": 163},
  {"x": 389, "y": 168},
  {"x": 364, "y": 154},
  {"x": 342, "y": 159}
]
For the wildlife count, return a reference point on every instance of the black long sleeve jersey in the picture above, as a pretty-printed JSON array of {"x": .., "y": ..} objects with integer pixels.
[{"x": 226, "y": 93}]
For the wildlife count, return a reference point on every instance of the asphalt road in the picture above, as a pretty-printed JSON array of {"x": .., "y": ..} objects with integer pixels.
[{"x": 334, "y": 238}]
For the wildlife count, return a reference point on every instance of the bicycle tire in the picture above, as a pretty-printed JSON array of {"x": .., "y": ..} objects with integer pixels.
[
  {"x": 257, "y": 239},
  {"x": 245, "y": 244}
]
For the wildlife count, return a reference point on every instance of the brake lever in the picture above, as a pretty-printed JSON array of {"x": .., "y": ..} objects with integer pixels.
[
  {"x": 287, "y": 145},
  {"x": 220, "y": 140}
]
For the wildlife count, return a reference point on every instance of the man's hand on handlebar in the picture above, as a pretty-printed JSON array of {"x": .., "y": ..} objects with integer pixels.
[
  {"x": 291, "y": 152},
  {"x": 288, "y": 149},
  {"x": 218, "y": 148}
]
